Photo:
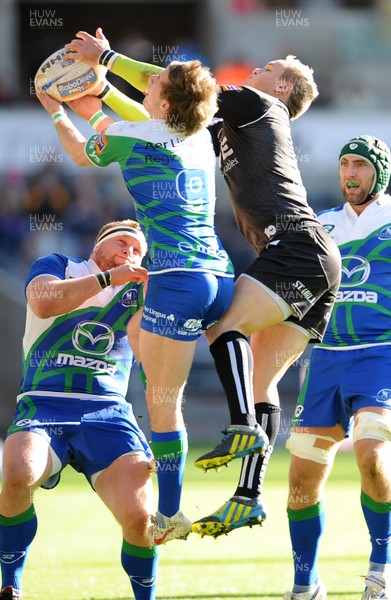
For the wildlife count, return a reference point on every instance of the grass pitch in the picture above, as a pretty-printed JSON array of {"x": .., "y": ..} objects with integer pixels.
[{"x": 76, "y": 554}]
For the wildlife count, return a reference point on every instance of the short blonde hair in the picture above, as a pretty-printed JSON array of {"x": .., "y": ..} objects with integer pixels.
[
  {"x": 191, "y": 92},
  {"x": 125, "y": 223},
  {"x": 304, "y": 89}
]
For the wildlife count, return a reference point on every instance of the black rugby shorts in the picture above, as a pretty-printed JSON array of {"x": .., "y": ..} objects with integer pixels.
[{"x": 303, "y": 267}]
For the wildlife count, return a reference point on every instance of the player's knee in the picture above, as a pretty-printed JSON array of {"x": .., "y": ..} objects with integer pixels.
[
  {"x": 318, "y": 448},
  {"x": 370, "y": 462},
  {"x": 304, "y": 476},
  {"x": 19, "y": 477},
  {"x": 372, "y": 426},
  {"x": 373, "y": 460},
  {"x": 135, "y": 522}
]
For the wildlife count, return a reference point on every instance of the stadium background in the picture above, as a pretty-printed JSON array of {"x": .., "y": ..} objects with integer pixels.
[{"x": 49, "y": 205}]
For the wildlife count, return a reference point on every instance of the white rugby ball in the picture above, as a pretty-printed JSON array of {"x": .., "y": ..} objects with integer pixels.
[{"x": 68, "y": 79}]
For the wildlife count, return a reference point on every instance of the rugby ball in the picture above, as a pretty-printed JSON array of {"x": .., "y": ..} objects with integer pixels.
[{"x": 68, "y": 79}]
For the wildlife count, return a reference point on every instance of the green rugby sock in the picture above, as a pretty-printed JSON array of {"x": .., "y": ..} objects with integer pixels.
[{"x": 170, "y": 452}]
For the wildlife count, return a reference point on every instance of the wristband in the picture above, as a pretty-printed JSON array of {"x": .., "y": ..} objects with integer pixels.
[
  {"x": 97, "y": 118},
  {"x": 104, "y": 92},
  {"x": 57, "y": 116},
  {"x": 104, "y": 279},
  {"x": 107, "y": 58}
]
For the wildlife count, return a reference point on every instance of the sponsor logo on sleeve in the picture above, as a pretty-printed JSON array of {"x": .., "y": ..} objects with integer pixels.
[{"x": 100, "y": 143}]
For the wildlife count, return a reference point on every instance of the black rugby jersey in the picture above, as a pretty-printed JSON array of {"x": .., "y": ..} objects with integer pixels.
[{"x": 258, "y": 163}]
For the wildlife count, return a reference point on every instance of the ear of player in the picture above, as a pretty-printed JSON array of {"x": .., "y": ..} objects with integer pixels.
[{"x": 68, "y": 79}]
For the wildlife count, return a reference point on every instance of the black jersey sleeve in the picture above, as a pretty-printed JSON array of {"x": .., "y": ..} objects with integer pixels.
[
  {"x": 242, "y": 105},
  {"x": 214, "y": 131}
]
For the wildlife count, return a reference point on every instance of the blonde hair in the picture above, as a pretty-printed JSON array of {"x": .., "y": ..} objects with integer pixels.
[
  {"x": 191, "y": 93},
  {"x": 304, "y": 89}
]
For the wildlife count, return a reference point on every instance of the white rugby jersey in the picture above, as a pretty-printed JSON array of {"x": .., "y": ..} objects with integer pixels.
[{"x": 362, "y": 311}]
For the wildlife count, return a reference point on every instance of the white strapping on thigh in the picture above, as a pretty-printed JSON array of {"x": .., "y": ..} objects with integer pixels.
[
  {"x": 373, "y": 426},
  {"x": 304, "y": 445}
]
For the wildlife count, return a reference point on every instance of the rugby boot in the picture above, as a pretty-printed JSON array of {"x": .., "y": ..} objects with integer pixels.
[
  {"x": 237, "y": 512},
  {"x": 377, "y": 587},
  {"x": 10, "y": 593},
  {"x": 317, "y": 591},
  {"x": 238, "y": 441},
  {"x": 164, "y": 529}
]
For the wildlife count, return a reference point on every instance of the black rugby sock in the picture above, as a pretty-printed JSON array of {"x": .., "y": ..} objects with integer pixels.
[
  {"x": 253, "y": 467},
  {"x": 234, "y": 365}
]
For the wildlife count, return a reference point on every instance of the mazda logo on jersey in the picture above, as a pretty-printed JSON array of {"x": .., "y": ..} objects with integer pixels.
[
  {"x": 355, "y": 271},
  {"x": 93, "y": 338}
]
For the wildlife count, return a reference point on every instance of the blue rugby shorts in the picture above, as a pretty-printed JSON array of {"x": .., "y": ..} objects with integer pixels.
[
  {"x": 340, "y": 382},
  {"x": 88, "y": 433},
  {"x": 182, "y": 304}
]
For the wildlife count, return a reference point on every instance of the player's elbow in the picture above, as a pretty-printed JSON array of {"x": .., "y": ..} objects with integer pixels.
[
  {"x": 44, "y": 309},
  {"x": 44, "y": 296},
  {"x": 76, "y": 149},
  {"x": 81, "y": 159},
  {"x": 45, "y": 306}
]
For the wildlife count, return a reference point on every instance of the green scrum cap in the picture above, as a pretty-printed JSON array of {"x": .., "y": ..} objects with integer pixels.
[{"x": 377, "y": 153}]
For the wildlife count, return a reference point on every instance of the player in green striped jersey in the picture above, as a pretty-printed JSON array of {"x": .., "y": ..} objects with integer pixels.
[
  {"x": 347, "y": 388},
  {"x": 168, "y": 164}
]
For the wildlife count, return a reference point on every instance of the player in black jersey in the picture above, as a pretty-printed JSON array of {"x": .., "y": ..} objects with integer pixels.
[{"x": 285, "y": 297}]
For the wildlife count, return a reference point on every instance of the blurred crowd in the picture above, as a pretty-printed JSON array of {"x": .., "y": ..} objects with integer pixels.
[{"x": 55, "y": 211}]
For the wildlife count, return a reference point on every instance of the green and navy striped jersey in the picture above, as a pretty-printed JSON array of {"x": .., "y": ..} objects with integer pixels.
[
  {"x": 85, "y": 351},
  {"x": 172, "y": 180},
  {"x": 362, "y": 311}
]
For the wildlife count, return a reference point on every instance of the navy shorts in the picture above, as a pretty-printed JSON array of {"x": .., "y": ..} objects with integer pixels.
[
  {"x": 340, "y": 382},
  {"x": 86, "y": 433},
  {"x": 182, "y": 304}
]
